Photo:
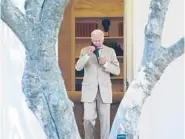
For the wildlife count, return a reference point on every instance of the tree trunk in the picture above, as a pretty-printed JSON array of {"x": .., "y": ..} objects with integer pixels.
[
  {"x": 42, "y": 83},
  {"x": 155, "y": 59}
]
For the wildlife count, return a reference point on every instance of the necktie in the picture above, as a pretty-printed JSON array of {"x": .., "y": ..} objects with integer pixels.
[{"x": 96, "y": 52}]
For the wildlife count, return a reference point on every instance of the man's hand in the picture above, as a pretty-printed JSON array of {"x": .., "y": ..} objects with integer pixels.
[
  {"x": 90, "y": 50},
  {"x": 101, "y": 60}
]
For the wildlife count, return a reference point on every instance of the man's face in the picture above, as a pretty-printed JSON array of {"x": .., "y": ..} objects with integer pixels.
[
  {"x": 97, "y": 42},
  {"x": 97, "y": 37}
]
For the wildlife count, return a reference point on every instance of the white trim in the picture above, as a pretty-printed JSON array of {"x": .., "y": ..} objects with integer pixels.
[{"x": 128, "y": 41}]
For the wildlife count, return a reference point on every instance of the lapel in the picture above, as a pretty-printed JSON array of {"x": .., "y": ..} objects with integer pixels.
[
  {"x": 106, "y": 53},
  {"x": 103, "y": 51},
  {"x": 93, "y": 59}
]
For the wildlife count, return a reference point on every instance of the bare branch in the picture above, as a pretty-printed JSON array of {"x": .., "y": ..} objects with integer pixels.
[
  {"x": 52, "y": 14},
  {"x": 154, "y": 27},
  {"x": 33, "y": 9},
  {"x": 16, "y": 20},
  {"x": 176, "y": 49}
]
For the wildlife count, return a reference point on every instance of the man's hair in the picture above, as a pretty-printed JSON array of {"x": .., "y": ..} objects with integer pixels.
[{"x": 98, "y": 33}]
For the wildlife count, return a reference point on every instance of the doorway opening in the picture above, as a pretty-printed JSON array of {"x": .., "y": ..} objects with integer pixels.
[{"x": 80, "y": 18}]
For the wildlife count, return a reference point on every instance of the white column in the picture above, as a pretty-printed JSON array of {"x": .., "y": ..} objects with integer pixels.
[{"x": 128, "y": 40}]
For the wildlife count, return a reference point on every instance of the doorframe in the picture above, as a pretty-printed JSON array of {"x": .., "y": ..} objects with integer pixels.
[
  {"x": 128, "y": 42},
  {"x": 128, "y": 66}
]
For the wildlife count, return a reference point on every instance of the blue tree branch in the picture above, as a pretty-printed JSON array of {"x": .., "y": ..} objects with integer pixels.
[
  {"x": 16, "y": 20},
  {"x": 176, "y": 49},
  {"x": 157, "y": 13},
  {"x": 33, "y": 9},
  {"x": 52, "y": 14},
  {"x": 154, "y": 28}
]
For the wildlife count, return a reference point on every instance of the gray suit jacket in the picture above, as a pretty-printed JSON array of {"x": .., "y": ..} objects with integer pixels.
[{"x": 95, "y": 74}]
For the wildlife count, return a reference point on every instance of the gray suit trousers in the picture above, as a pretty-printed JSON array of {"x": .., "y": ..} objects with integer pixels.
[{"x": 91, "y": 109}]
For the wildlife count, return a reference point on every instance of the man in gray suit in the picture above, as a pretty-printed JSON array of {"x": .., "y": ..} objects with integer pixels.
[{"x": 96, "y": 85}]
